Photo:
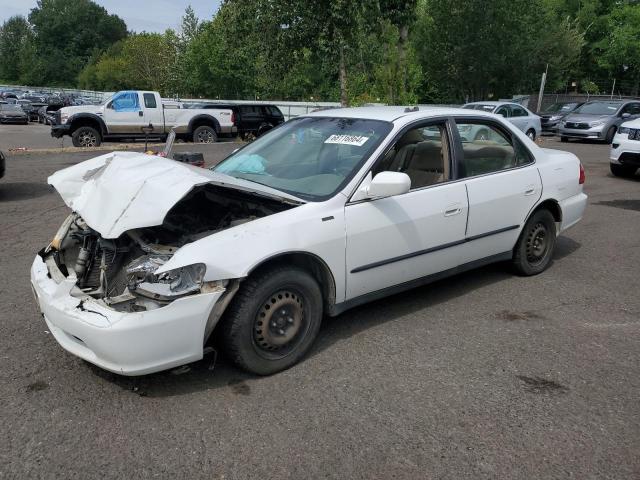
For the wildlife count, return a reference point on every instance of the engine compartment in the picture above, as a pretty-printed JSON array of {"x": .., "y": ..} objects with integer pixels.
[{"x": 121, "y": 272}]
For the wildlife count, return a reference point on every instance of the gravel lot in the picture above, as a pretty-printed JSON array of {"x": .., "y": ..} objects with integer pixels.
[{"x": 484, "y": 375}]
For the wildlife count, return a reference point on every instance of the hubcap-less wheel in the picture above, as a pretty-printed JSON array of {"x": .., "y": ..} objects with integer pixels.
[
  {"x": 205, "y": 136},
  {"x": 531, "y": 134},
  {"x": 87, "y": 139},
  {"x": 537, "y": 244},
  {"x": 280, "y": 324}
]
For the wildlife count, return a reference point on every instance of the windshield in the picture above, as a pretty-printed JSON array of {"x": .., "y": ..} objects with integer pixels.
[
  {"x": 480, "y": 106},
  {"x": 560, "y": 108},
  {"x": 599, "y": 108},
  {"x": 311, "y": 157}
]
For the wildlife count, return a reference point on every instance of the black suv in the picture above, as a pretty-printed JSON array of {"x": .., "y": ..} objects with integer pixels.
[{"x": 251, "y": 119}]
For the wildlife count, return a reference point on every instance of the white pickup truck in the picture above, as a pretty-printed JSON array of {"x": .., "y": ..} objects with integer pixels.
[{"x": 134, "y": 114}]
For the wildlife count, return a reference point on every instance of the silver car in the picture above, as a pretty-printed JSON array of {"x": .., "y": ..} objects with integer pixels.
[
  {"x": 522, "y": 118},
  {"x": 598, "y": 120}
]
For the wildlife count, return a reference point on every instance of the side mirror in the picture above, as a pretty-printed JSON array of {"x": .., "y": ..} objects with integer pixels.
[
  {"x": 625, "y": 115},
  {"x": 388, "y": 184}
]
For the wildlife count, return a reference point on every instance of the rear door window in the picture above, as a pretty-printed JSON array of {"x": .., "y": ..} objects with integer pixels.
[
  {"x": 150, "y": 100},
  {"x": 487, "y": 148}
]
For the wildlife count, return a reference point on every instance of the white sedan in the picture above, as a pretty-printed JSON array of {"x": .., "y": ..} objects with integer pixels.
[
  {"x": 525, "y": 120},
  {"x": 625, "y": 149},
  {"x": 326, "y": 212}
]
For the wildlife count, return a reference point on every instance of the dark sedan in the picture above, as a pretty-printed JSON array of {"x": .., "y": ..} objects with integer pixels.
[
  {"x": 13, "y": 114},
  {"x": 551, "y": 116}
]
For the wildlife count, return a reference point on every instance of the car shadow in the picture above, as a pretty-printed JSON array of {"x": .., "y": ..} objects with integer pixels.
[
  {"x": 17, "y": 192},
  {"x": 215, "y": 371}
]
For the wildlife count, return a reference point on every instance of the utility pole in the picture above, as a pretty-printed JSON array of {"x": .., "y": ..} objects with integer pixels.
[{"x": 541, "y": 92}]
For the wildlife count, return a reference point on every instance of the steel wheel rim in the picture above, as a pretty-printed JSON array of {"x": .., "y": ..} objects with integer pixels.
[
  {"x": 205, "y": 136},
  {"x": 537, "y": 246},
  {"x": 280, "y": 324},
  {"x": 87, "y": 139}
]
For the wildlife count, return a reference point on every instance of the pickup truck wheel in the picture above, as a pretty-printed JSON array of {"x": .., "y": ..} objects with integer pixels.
[
  {"x": 205, "y": 134},
  {"x": 534, "y": 250},
  {"x": 273, "y": 320},
  {"x": 86, "y": 137}
]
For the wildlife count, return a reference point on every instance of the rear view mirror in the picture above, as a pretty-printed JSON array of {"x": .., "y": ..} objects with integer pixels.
[
  {"x": 625, "y": 115},
  {"x": 388, "y": 184}
]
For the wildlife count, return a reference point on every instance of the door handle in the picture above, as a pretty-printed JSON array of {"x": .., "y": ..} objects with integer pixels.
[
  {"x": 531, "y": 189},
  {"x": 452, "y": 210},
  {"x": 140, "y": 113}
]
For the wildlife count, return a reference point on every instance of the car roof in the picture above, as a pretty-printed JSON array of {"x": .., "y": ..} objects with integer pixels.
[{"x": 392, "y": 114}]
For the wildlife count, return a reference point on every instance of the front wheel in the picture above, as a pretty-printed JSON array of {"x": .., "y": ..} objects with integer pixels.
[
  {"x": 610, "y": 134},
  {"x": 622, "y": 170},
  {"x": 273, "y": 320},
  {"x": 86, "y": 137},
  {"x": 531, "y": 133},
  {"x": 205, "y": 134},
  {"x": 534, "y": 250},
  {"x": 564, "y": 139}
]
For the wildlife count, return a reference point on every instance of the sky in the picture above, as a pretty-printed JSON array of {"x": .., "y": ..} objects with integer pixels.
[{"x": 149, "y": 15}]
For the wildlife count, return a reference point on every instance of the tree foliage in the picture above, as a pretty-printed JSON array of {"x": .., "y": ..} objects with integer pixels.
[{"x": 354, "y": 51}]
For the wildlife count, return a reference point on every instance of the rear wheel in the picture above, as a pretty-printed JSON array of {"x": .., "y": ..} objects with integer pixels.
[
  {"x": 622, "y": 170},
  {"x": 273, "y": 320},
  {"x": 205, "y": 134},
  {"x": 564, "y": 139},
  {"x": 86, "y": 137},
  {"x": 534, "y": 250},
  {"x": 531, "y": 133}
]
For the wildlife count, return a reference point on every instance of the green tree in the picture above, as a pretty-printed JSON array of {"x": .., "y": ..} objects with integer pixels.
[
  {"x": 14, "y": 34},
  {"x": 68, "y": 33}
]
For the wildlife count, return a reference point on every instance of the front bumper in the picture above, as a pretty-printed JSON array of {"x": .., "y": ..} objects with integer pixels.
[
  {"x": 624, "y": 151},
  {"x": 125, "y": 343},
  {"x": 59, "y": 131},
  {"x": 14, "y": 120},
  {"x": 595, "y": 133}
]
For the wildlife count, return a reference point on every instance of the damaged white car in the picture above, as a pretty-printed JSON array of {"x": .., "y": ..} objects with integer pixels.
[{"x": 323, "y": 213}]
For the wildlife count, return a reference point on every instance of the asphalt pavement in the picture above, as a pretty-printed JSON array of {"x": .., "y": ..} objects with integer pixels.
[{"x": 483, "y": 375}]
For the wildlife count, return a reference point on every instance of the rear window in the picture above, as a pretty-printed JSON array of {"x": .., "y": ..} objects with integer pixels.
[
  {"x": 478, "y": 106},
  {"x": 150, "y": 100}
]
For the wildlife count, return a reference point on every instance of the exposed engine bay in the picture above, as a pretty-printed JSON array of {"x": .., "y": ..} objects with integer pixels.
[{"x": 121, "y": 272}]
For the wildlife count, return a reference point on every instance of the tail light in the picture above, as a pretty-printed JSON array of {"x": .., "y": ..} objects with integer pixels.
[{"x": 582, "y": 176}]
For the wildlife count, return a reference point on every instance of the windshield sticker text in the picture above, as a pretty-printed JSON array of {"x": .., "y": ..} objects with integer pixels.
[{"x": 356, "y": 140}]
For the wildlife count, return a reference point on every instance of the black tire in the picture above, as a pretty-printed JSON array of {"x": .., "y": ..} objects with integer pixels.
[
  {"x": 205, "y": 134},
  {"x": 622, "y": 170},
  {"x": 86, "y": 137},
  {"x": 534, "y": 251},
  {"x": 531, "y": 133},
  {"x": 610, "y": 134},
  {"x": 564, "y": 139},
  {"x": 273, "y": 320}
]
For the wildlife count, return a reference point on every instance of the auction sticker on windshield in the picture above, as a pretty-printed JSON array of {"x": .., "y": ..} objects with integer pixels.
[{"x": 356, "y": 140}]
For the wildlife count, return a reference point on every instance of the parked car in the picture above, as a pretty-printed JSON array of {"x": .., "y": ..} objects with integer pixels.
[
  {"x": 251, "y": 119},
  {"x": 551, "y": 116},
  {"x": 598, "y": 120},
  {"x": 521, "y": 117},
  {"x": 13, "y": 114},
  {"x": 326, "y": 212},
  {"x": 127, "y": 113},
  {"x": 34, "y": 111},
  {"x": 624, "y": 158}
]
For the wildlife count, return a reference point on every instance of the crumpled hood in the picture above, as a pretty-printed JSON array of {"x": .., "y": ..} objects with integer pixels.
[{"x": 121, "y": 191}]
